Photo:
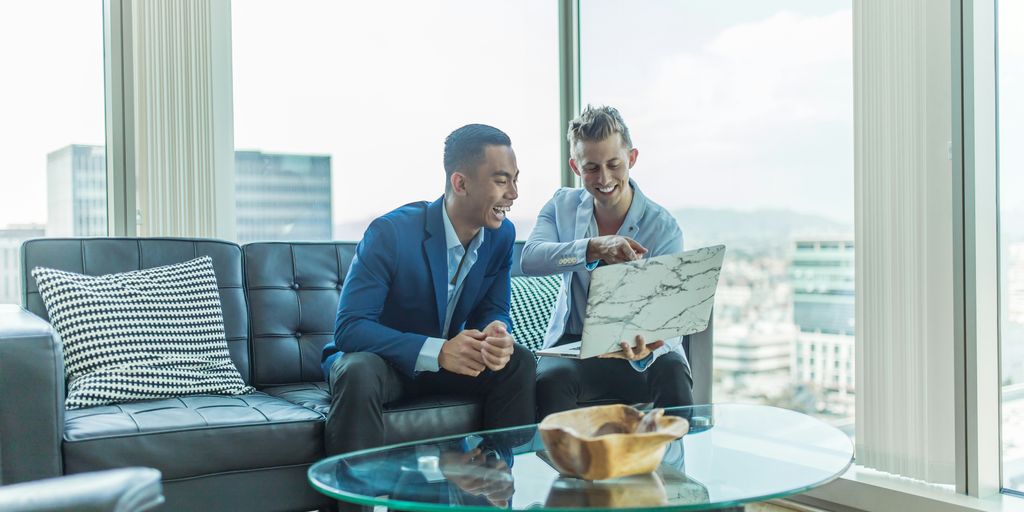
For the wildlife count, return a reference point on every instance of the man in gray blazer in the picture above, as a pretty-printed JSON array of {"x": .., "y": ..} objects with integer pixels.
[{"x": 607, "y": 221}]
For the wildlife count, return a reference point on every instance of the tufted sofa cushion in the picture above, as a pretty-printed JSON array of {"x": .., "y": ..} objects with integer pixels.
[
  {"x": 293, "y": 291},
  {"x": 195, "y": 435}
]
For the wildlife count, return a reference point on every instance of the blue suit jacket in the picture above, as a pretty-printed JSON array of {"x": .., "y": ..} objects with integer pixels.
[{"x": 396, "y": 290}]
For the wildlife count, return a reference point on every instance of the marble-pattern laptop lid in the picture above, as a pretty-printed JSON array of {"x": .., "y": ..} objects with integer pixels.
[{"x": 660, "y": 298}]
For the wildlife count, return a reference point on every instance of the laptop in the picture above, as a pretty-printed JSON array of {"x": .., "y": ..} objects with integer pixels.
[{"x": 660, "y": 298}]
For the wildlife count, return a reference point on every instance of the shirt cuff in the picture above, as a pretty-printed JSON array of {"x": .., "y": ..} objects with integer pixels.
[
  {"x": 426, "y": 361},
  {"x": 642, "y": 364},
  {"x": 581, "y": 253}
]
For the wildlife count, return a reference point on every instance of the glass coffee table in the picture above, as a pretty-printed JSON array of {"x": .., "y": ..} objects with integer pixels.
[{"x": 733, "y": 454}]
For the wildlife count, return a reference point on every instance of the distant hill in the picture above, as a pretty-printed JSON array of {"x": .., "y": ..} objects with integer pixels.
[{"x": 755, "y": 230}]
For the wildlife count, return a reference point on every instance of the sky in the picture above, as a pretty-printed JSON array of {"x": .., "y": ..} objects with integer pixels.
[
  {"x": 731, "y": 105},
  {"x": 738, "y": 104},
  {"x": 51, "y": 95}
]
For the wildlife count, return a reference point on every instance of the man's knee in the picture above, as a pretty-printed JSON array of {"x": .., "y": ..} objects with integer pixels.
[
  {"x": 557, "y": 374},
  {"x": 522, "y": 361},
  {"x": 671, "y": 363},
  {"x": 670, "y": 379},
  {"x": 358, "y": 373}
]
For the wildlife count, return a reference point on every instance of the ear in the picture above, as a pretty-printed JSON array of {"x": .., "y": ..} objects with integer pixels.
[
  {"x": 575, "y": 169},
  {"x": 458, "y": 183},
  {"x": 633, "y": 153}
]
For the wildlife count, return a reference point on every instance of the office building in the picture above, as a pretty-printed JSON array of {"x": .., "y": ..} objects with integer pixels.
[
  {"x": 282, "y": 196},
  {"x": 278, "y": 196},
  {"x": 76, "y": 191},
  {"x": 822, "y": 275},
  {"x": 10, "y": 260}
]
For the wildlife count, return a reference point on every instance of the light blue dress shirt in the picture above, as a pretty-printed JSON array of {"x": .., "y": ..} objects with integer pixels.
[
  {"x": 558, "y": 245},
  {"x": 426, "y": 361}
]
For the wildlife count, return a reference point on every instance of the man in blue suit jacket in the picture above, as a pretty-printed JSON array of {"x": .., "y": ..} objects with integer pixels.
[
  {"x": 425, "y": 305},
  {"x": 607, "y": 221}
]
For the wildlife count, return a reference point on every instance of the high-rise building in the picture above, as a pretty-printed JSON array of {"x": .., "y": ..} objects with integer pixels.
[
  {"x": 754, "y": 328},
  {"x": 277, "y": 196},
  {"x": 76, "y": 191},
  {"x": 282, "y": 196},
  {"x": 10, "y": 260},
  {"x": 743, "y": 350},
  {"x": 822, "y": 276}
]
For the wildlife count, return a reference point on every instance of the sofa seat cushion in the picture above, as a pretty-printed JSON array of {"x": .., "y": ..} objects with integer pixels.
[
  {"x": 192, "y": 436},
  {"x": 409, "y": 419}
]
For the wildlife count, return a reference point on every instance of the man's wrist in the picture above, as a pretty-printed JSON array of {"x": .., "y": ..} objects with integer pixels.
[
  {"x": 429, "y": 358},
  {"x": 641, "y": 364},
  {"x": 591, "y": 253}
]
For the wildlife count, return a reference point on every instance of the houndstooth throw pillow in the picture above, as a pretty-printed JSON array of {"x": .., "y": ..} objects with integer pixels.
[
  {"x": 152, "y": 333},
  {"x": 533, "y": 298}
]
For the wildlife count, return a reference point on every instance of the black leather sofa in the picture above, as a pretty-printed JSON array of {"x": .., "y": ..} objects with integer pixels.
[
  {"x": 113, "y": 490},
  {"x": 215, "y": 452}
]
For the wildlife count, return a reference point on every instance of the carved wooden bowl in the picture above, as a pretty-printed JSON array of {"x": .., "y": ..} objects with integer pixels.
[{"x": 609, "y": 441}]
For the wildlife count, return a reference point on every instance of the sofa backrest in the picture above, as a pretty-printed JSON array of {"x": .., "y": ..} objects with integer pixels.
[
  {"x": 98, "y": 256},
  {"x": 293, "y": 290},
  {"x": 279, "y": 299}
]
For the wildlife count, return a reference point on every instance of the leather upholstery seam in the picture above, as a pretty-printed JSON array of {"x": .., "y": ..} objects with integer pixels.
[
  {"x": 320, "y": 419},
  {"x": 237, "y": 471}
]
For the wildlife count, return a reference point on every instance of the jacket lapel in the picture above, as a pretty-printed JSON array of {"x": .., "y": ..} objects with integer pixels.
[
  {"x": 631, "y": 224},
  {"x": 584, "y": 214},
  {"x": 436, "y": 248}
]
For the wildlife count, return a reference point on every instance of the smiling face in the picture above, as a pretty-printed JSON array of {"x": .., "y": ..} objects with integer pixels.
[
  {"x": 483, "y": 196},
  {"x": 604, "y": 168}
]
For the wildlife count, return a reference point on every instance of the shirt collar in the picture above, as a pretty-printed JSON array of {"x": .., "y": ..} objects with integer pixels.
[
  {"x": 451, "y": 238},
  {"x": 636, "y": 207}
]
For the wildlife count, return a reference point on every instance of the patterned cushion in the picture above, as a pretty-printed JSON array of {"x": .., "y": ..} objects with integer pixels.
[
  {"x": 152, "y": 333},
  {"x": 533, "y": 298}
]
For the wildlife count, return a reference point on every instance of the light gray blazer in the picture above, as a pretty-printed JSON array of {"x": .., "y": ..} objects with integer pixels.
[{"x": 558, "y": 245}]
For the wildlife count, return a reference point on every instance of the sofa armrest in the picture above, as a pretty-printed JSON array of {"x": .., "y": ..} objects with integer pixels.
[
  {"x": 114, "y": 490},
  {"x": 32, "y": 387},
  {"x": 702, "y": 362}
]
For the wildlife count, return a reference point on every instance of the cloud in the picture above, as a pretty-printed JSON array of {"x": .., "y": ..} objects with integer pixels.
[
  {"x": 761, "y": 115},
  {"x": 784, "y": 69}
]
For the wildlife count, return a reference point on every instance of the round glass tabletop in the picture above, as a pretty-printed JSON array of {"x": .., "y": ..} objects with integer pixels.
[{"x": 733, "y": 454}]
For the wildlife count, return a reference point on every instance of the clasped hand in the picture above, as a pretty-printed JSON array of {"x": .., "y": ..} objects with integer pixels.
[
  {"x": 634, "y": 353},
  {"x": 471, "y": 351},
  {"x": 479, "y": 475}
]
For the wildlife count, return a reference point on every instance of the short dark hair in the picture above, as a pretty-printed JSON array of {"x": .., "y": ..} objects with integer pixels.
[
  {"x": 464, "y": 148},
  {"x": 595, "y": 124}
]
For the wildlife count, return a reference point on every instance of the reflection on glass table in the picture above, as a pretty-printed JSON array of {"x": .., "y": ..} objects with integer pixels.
[{"x": 733, "y": 454}]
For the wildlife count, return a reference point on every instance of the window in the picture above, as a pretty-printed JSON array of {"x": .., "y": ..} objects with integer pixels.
[
  {"x": 1011, "y": 225},
  {"x": 350, "y": 104},
  {"x": 53, "y": 125},
  {"x": 718, "y": 94}
]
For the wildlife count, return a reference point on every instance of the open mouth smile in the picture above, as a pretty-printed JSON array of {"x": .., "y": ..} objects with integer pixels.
[{"x": 501, "y": 211}]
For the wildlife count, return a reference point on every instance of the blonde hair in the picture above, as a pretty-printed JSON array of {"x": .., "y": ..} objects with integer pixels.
[{"x": 595, "y": 124}]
